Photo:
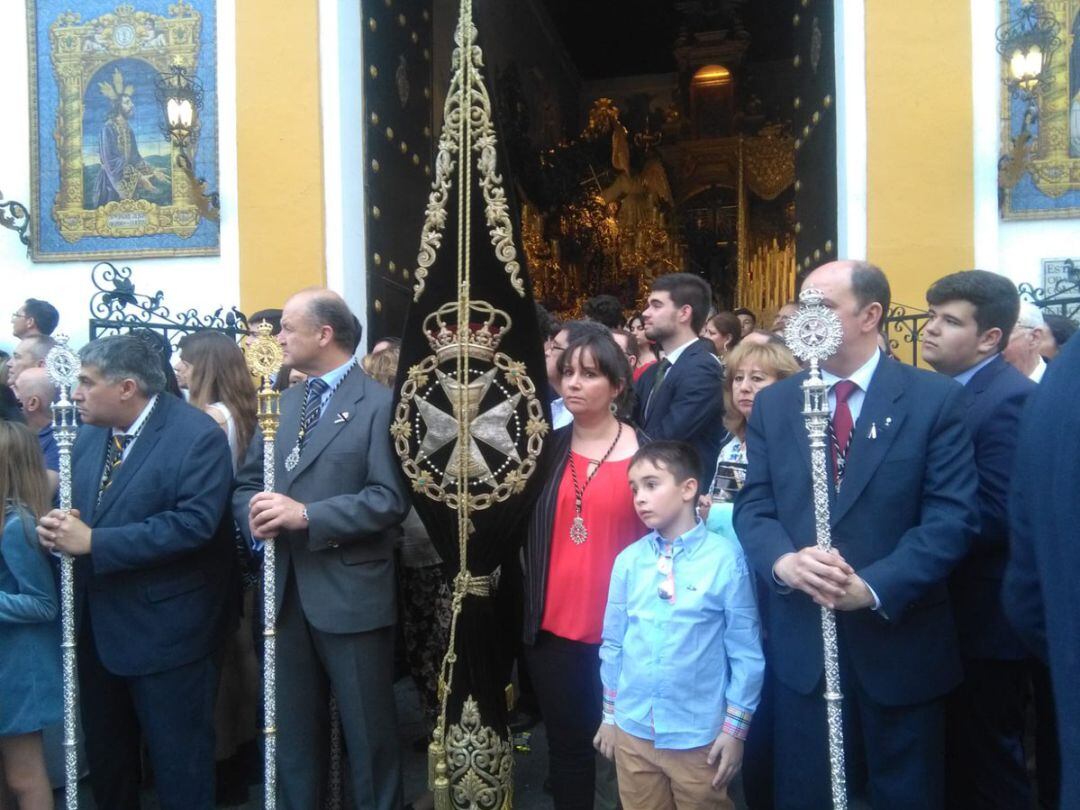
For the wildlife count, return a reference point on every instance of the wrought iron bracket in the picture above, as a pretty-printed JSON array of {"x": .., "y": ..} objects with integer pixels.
[{"x": 15, "y": 217}]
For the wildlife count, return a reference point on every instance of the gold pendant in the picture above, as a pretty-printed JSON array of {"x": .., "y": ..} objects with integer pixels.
[{"x": 578, "y": 533}]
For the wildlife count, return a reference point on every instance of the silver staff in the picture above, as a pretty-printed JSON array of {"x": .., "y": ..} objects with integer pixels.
[
  {"x": 813, "y": 335},
  {"x": 264, "y": 360},
  {"x": 62, "y": 365}
]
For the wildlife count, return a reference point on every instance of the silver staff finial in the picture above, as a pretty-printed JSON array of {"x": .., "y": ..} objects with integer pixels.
[
  {"x": 62, "y": 365},
  {"x": 815, "y": 332}
]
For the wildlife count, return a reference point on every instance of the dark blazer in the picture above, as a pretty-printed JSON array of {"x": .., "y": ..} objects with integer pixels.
[
  {"x": 350, "y": 480},
  {"x": 689, "y": 404},
  {"x": 998, "y": 392},
  {"x": 1044, "y": 555},
  {"x": 536, "y": 554},
  {"x": 160, "y": 581},
  {"x": 903, "y": 519}
]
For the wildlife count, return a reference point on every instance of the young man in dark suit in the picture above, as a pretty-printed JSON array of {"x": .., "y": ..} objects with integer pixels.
[
  {"x": 338, "y": 503},
  {"x": 971, "y": 317},
  {"x": 902, "y": 493},
  {"x": 155, "y": 575},
  {"x": 681, "y": 398},
  {"x": 1044, "y": 552}
]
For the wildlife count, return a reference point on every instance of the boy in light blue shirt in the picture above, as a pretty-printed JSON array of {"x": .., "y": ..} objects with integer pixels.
[{"x": 681, "y": 660}]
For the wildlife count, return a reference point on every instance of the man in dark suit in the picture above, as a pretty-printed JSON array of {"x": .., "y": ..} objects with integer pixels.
[
  {"x": 1044, "y": 553},
  {"x": 682, "y": 396},
  {"x": 902, "y": 489},
  {"x": 155, "y": 580},
  {"x": 339, "y": 500},
  {"x": 971, "y": 317}
]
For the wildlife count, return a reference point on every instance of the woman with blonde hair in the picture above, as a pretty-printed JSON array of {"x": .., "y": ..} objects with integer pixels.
[
  {"x": 219, "y": 382},
  {"x": 30, "y": 667}
]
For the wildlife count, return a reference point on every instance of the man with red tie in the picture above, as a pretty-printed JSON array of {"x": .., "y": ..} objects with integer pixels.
[{"x": 902, "y": 492}]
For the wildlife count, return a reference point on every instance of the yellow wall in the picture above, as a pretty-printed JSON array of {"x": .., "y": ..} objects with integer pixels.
[
  {"x": 920, "y": 185},
  {"x": 279, "y": 139}
]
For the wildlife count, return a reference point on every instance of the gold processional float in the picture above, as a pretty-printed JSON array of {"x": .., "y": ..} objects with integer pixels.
[{"x": 468, "y": 427}]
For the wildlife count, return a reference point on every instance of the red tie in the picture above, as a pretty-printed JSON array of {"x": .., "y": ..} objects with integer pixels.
[{"x": 842, "y": 426}]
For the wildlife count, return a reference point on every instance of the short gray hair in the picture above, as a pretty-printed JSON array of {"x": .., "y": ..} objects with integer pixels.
[
  {"x": 39, "y": 346},
  {"x": 120, "y": 357},
  {"x": 1030, "y": 316}
]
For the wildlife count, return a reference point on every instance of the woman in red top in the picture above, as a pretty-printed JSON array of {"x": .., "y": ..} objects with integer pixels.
[
  {"x": 646, "y": 350},
  {"x": 583, "y": 518}
]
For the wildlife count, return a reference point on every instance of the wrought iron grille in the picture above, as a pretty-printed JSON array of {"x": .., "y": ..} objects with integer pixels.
[{"x": 117, "y": 307}]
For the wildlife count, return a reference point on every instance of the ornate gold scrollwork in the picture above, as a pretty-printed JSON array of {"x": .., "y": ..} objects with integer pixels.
[{"x": 480, "y": 763}]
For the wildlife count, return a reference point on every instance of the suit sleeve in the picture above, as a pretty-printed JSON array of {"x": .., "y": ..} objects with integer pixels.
[
  {"x": 698, "y": 402},
  {"x": 995, "y": 452},
  {"x": 760, "y": 532},
  {"x": 381, "y": 504},
  {"x": 1021, "y": 590},
  {"x": 927, "y": 553},
  {"x": 203, "y": 484},
  {"x": 249, "y": 482}
]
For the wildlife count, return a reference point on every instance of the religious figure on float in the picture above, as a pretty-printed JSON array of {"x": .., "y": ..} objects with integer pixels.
[{"x": 639, "y": 194}]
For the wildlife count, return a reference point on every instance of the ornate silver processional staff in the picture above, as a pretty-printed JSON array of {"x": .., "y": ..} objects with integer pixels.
[
  {"x": 264, "y": 359},
  {"x": 813, "y": 335},
  {"x": 62, "y": 365}
]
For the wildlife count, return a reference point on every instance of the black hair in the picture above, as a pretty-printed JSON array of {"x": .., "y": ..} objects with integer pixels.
[
  {"x": 745, "y": 311},
  {"x": 686, "y": 289},
  {"x": 133, "y": 356},
  {"x": 996, "y": 302},
  {"x": 637, "y": 316},
  {"x": 869, "y": 285},
  {"x": 271, "y": 316},
  {"x": 547, "y": 323},
  {"x": 633, "y": 345},
  {"x": 331, "y": 310},
  {"x": 680, "y": 459},
  {"x": 1060, "y": 327},
  {"x": 44, "y": 314},
  {"x": 596, "y": 339},
  {"x": 604, "y": 309}
]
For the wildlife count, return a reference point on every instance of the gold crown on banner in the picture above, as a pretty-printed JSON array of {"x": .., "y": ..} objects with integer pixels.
[{"x": 481, "y": 335}]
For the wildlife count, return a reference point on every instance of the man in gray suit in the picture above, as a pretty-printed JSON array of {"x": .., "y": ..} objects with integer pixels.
[{"x": 340, "y": 498}]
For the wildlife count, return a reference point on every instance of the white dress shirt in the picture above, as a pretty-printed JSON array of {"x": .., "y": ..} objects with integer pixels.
[
  {"x": 1037, "y": 374},
  {"x": 673, "y": 356},
  {"x": 861, "y": 377},
  {"x": 136, "y": 426}
]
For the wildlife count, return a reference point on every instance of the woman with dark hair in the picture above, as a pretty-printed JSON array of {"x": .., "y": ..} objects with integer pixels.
[
  {"x": 724, "y": 331},
  {"x": 583, "y": 518},
  {"x": 219, "y": 383},
  {"x": 160, "y": 344},
  {"x": 646, "y": 350}
]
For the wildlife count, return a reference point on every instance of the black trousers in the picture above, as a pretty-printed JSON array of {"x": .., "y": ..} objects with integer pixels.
[
  {"x": 172, "y": 710},
  {"x": 984, "y": 737},
  {"x": 566, "y": 677},
  {"x": 900, "y": 749}
]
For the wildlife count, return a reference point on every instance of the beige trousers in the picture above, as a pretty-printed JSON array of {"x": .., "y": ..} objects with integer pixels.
[{"x": 660, "y": 779}]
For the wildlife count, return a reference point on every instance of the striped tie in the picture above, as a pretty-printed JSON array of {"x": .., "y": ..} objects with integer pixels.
[
  {"x": 316, "y": 387},
  {"x": 113, "y": 459}
]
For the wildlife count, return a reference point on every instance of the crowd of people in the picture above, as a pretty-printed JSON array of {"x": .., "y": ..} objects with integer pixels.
[{"x": 671, "y": 577}]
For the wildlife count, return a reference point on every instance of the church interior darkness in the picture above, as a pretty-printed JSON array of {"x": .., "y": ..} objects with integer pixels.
[{"x": 647, "y": 136}]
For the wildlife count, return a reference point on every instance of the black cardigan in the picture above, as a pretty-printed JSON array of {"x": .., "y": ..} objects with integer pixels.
[{"x": 537, "y": 550}]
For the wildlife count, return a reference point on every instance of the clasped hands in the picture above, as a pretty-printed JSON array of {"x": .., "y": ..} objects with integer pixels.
[
  {"x": 271, "y": 513},
  {"x": 63, "y": 531},
  {"x": 825, "y": 577}
]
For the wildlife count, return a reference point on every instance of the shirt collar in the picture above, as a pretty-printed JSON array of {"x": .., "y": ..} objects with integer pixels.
[
  {"x": 334, "y": 377},
  {"x": 861, "y": 376},
  {"x": 673, "y": 355},
  {"x": 137, "y": 425},
  {"x": 687, "y": 542},
  {"x": 964, "y": 377}
]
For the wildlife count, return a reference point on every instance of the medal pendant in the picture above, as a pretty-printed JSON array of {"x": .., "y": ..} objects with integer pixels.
[
  {"x": 578, "y": 533},
  {"x": 293, "y": 458}
]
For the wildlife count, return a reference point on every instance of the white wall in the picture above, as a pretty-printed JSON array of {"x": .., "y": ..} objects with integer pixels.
[
  {"x": 341, "y": 82},
  {"x": 1014, "y": 249},
  {"x": 205, "y": 283},
  {"x": 851, "y": 128}
]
